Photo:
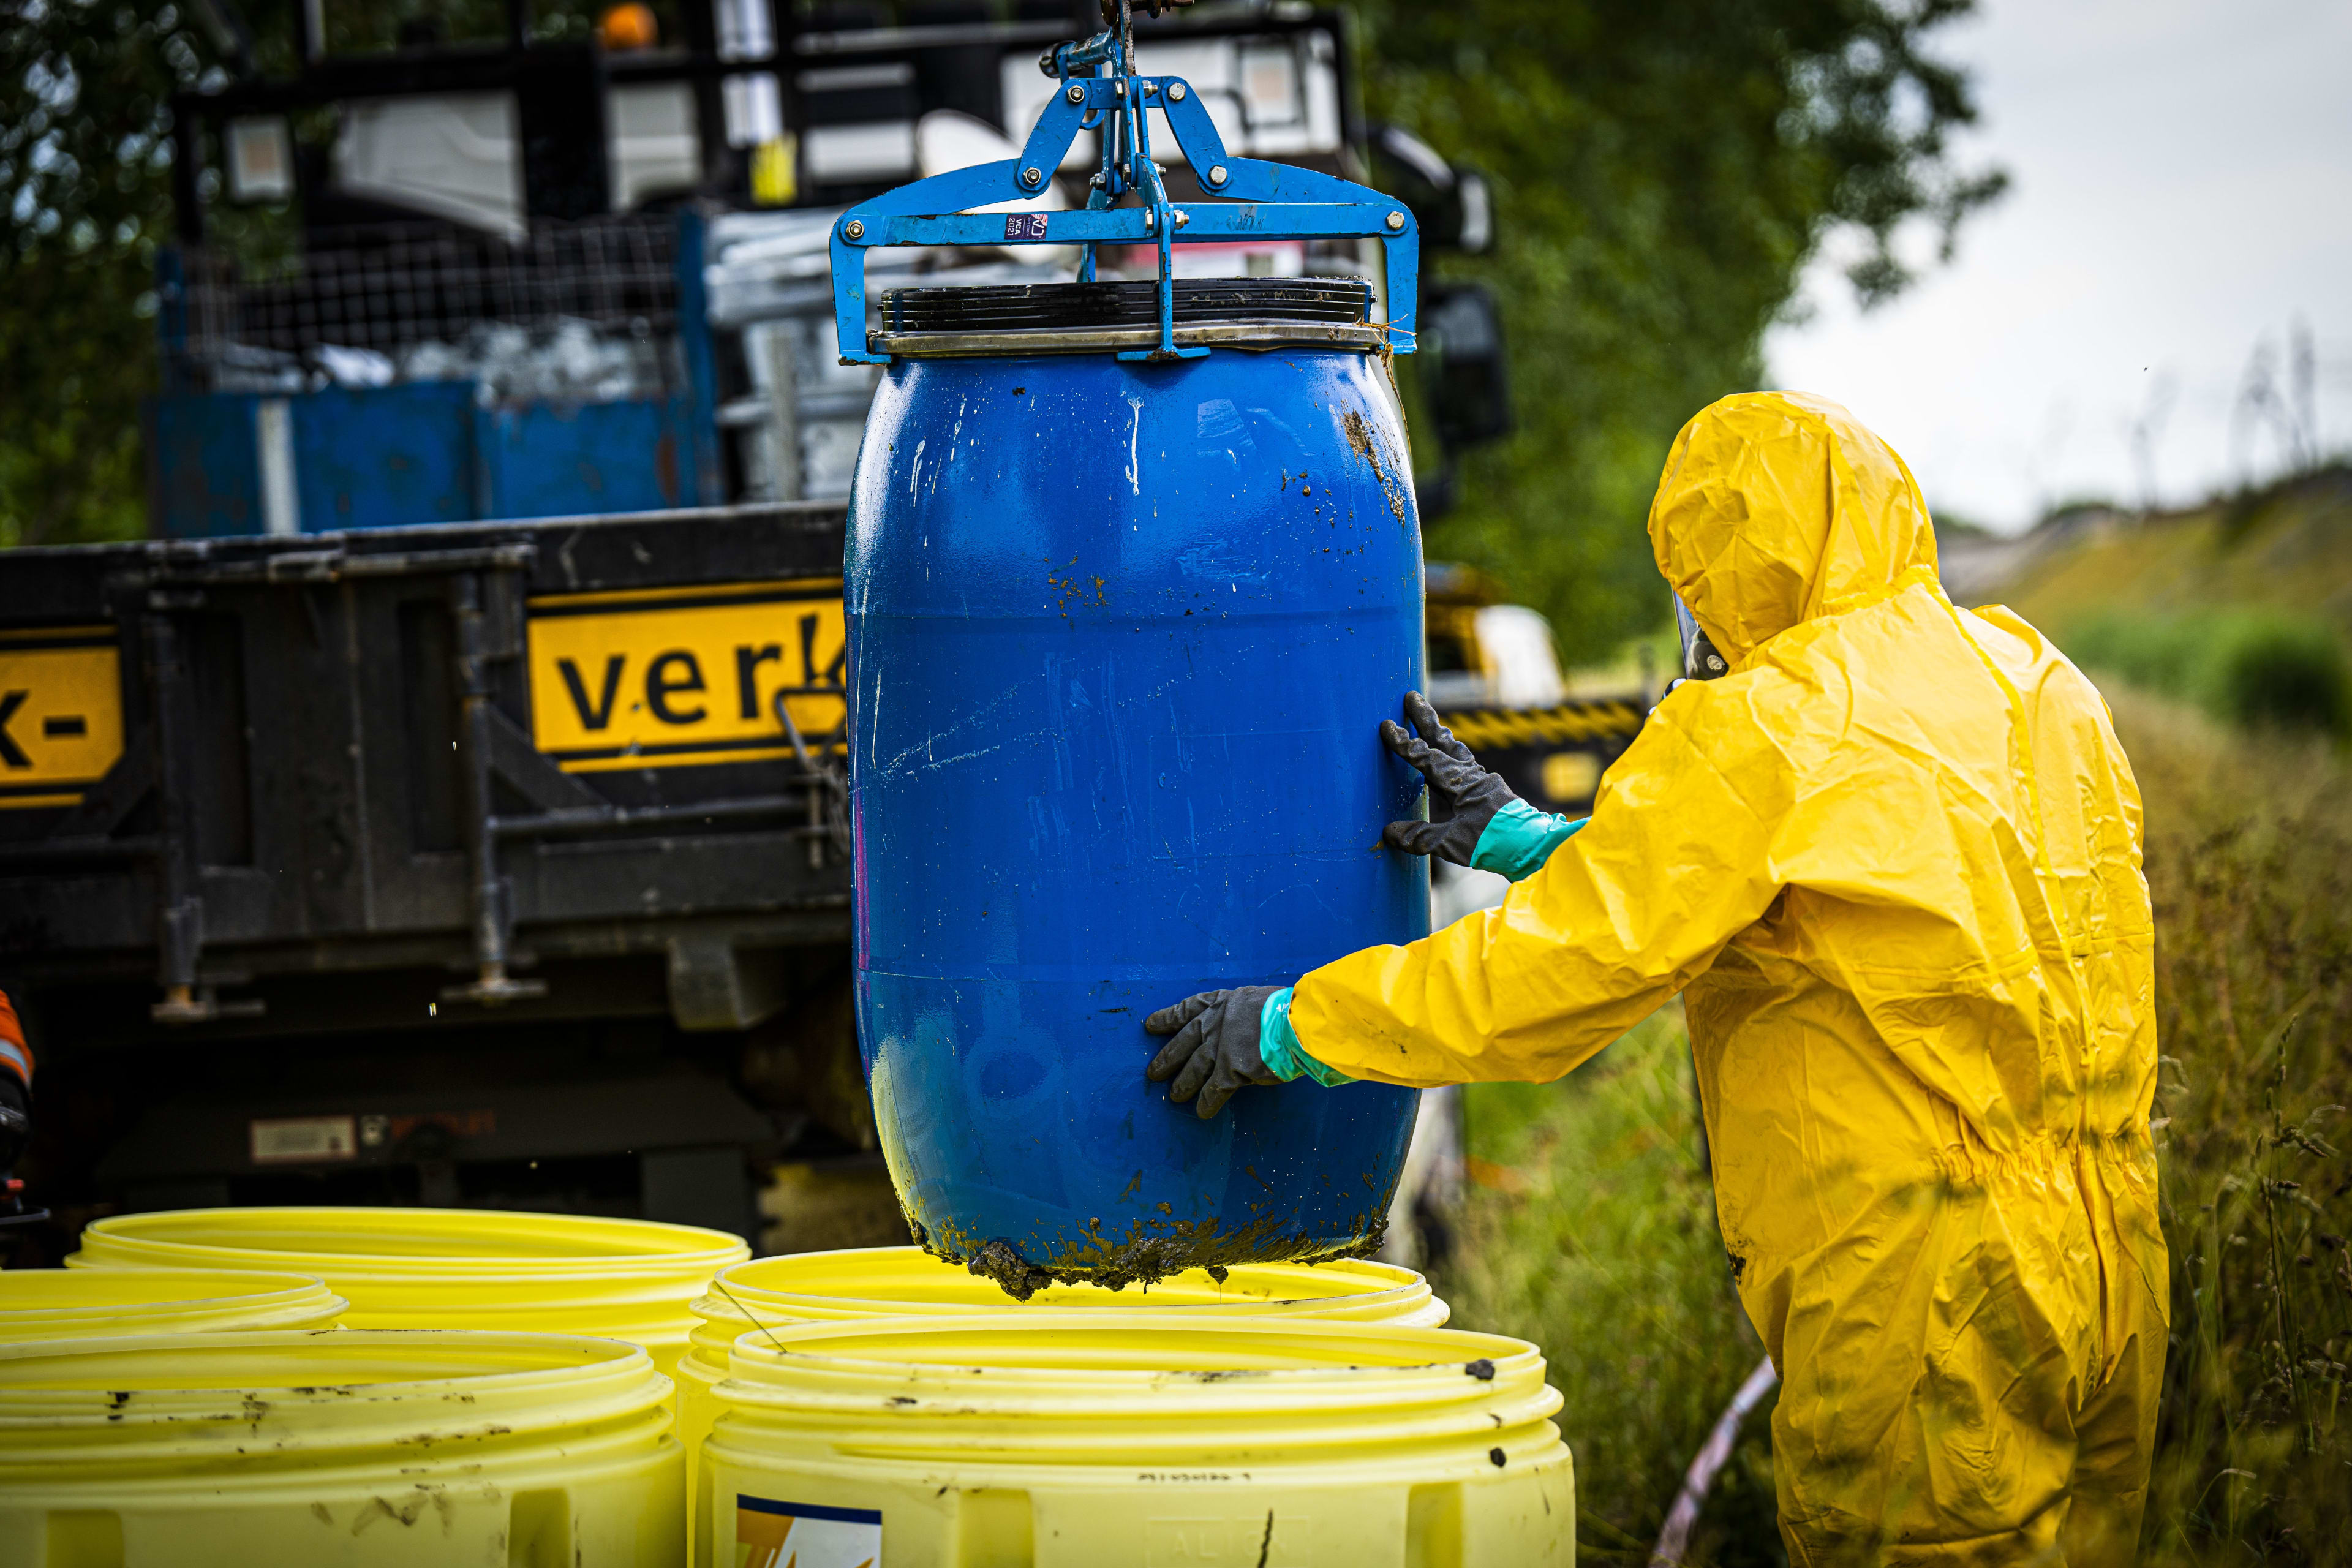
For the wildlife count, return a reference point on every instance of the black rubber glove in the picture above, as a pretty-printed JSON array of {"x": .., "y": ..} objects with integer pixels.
[
  {"x": 15, "y": 1120},
  {"x": 1472, "y": 795},
  {"x": 1215, "y": 1049}
]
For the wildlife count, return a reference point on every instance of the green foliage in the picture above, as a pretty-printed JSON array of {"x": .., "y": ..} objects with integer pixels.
[
  {"x": 78, "y": 350},
  {"x": 1661, "y": 174},
  {"x": 2274, "y": 671},
  {"x": 2256, "y": 668},
  {"x": 2157, "y": 653},
  {"x": 85, "y": 179},
  {"x": 1595, "y": 1235}
]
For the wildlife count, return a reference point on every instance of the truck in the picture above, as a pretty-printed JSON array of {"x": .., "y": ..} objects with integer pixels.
[{"x": 446, "y": 805}]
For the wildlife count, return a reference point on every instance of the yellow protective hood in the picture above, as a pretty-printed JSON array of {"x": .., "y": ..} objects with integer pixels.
[{"x": 1778, "y": 507}]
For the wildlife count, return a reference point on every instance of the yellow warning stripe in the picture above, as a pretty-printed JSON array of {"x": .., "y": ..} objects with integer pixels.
[{"x": 1544, "y": 726}]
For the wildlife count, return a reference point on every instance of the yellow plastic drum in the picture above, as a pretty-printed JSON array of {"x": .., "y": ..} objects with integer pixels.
[
  {"x": 889, "y": 1281},
  {"x": 81, "y": 1303},
  {"x": 449, "y": 1268},
  {"x": 368, "y": 1449},
  {"x": 1080, "y": 1439}
]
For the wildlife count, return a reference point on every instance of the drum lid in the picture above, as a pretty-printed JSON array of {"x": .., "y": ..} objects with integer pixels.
[{"x": 1084, "y": 318}]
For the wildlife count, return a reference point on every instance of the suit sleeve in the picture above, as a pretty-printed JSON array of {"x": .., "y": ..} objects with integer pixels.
[
  {"x": 1520, "y": 839},
  {"x": 1675, "y": 862},
  {"x": 15, "y": 1056}
]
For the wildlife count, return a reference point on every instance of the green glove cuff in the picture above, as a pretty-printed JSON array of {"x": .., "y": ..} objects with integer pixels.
[
  {"x": 1278, "y": 1047},
  {"x": 1520, "y": 839}
]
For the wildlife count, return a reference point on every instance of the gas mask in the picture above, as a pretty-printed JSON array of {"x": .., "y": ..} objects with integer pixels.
[{"x": 1700, "y": 661}]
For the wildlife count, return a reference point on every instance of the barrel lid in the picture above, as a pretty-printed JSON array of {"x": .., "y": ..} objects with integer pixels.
[{"x": 1087, "y": 318}]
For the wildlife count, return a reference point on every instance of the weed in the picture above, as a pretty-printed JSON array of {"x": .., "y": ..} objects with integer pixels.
[
  {"x": 2250, "y": 866},
  {"x": 1590, "y": 1230}
]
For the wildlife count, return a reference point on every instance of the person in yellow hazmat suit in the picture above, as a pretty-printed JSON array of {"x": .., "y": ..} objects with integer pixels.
[{"x": 1890, "y": 859}]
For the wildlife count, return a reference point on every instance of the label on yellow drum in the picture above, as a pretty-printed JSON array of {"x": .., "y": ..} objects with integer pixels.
[
  {"x": 60, "y": 713},
  {"x": 772, "y": 1534},
  {"x": 685, "y": 677}
]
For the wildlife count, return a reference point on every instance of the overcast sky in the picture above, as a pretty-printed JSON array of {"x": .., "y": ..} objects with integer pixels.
[{"x": 2182, "y": 191}]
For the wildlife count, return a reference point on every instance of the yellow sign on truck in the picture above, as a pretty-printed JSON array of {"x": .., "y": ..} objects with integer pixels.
[
  {"x": 685, "y": 677},
  {"x": 60, "y": 713}
]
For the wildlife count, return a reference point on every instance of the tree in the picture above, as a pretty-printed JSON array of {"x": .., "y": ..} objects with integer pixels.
[
  {"x": 1663, "y": 172},
  {"x": 85, "y": 184}
]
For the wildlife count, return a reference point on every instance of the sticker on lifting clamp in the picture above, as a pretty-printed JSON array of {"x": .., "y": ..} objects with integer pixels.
[
  {"x": 1024, "y": 226},
  {"x": 769, "y": 1535}
]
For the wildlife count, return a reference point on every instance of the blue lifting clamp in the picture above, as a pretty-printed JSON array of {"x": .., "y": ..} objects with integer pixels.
[{"x": 1262, "y": 200}]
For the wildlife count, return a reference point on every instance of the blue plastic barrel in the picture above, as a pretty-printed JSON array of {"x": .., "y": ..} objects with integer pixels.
[{"x": 1120, "y": 638}]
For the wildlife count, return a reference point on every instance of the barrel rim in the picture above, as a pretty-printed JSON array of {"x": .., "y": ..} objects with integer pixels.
[
  {"x": 1257, "y": 335},
  {"x": 139, "y": 1401},
  {"x": 562, "y": 1354},
  {"x": 1093, "y": 317},
  {"x": 154, "y": 1231},
  {"x": 1373, "y": 1282},
  {"x": 801, "y": 1345},
  {"x": 264, "y": 1287}
]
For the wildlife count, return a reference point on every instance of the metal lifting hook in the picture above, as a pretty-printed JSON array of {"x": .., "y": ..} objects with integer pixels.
[
  {"x": 1263, "y": 200},
  {"x": 1130, "y": 128}
]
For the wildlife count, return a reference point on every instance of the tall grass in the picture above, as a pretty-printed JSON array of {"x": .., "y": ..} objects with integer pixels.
[
  {"x": 2250, "y": 864},
  {"x": 1590, "y": 1230},
  {"x": 1593, "y": 1231},
  {"x": 2260, "y": 669}
]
